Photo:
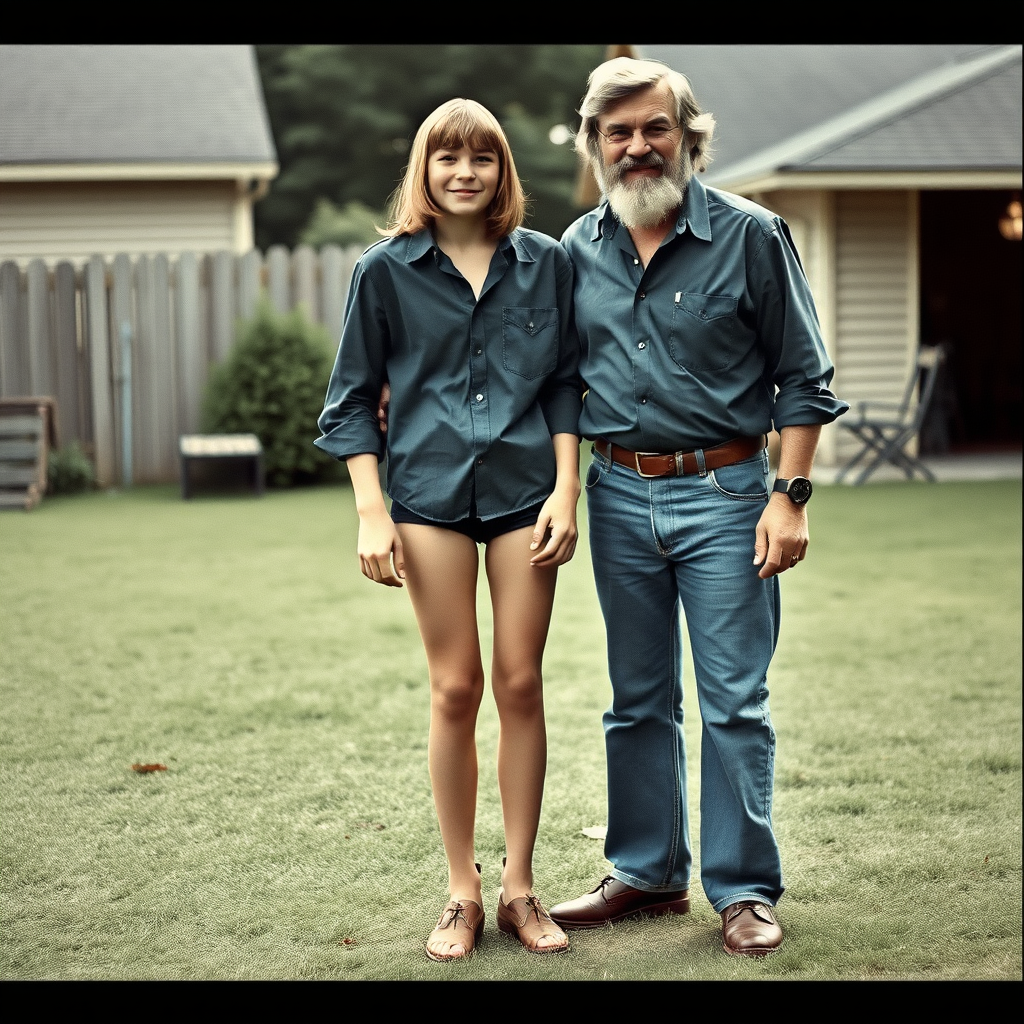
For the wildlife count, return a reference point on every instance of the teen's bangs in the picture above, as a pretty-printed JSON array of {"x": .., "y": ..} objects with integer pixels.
[{"x": 463, "y": 128}]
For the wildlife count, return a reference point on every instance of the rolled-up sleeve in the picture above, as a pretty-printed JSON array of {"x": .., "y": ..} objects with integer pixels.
[
  {"x": 348, "y": 423},
  {"x": 796, "y": 362}
]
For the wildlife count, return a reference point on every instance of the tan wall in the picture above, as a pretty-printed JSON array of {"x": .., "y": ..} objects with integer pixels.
[
  {"x": 877, "y": 317},
  {"x": 76, "y": 220},
  {"x": 859, "y": 250}
]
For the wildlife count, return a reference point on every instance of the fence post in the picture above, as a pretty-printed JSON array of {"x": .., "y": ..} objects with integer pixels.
[
  {"x": 122, "y": 301},
  {"x": 13, "y": 343},
  {"x": 279, "y": 286},
  {"x": 164, "y": 384},
  {"x": 40, "y": 342},
  {"x": 124, "y": 381},
  {"x": 304, "y": 275},
  {"x": 192, "y": 360},
  {"x": 249, "y": 269},
  {"x": 100, "y": 367},
  {"x": 222, "y": 305},
  {"x": 68, "y": 364}
]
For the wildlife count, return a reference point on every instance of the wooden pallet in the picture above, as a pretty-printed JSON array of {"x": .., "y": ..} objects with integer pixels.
[{"x": 28, "y": 429}]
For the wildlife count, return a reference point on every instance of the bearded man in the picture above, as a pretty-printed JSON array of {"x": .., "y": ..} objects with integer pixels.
[{"x": 699, "y": 336}]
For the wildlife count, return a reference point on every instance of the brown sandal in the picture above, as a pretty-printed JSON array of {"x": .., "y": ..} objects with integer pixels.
[
  {"x": 527, "y": 919},
  {"x": 466, "y": 920}
]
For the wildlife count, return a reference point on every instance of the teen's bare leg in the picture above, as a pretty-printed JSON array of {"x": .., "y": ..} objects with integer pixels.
[
  {"x": 521, "y": 599},
  {"x": 441, "y": 574}
]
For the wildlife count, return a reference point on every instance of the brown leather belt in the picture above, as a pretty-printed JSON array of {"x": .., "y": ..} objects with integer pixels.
[{"x": 680, "y": 463}]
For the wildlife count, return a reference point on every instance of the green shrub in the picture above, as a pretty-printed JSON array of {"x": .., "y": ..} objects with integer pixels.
[
  {"x": 69, "y": 471},
  {"x": 273, "y": 385}
]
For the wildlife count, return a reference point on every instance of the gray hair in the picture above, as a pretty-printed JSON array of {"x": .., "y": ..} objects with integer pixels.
[{"x": 621, "y": 77}]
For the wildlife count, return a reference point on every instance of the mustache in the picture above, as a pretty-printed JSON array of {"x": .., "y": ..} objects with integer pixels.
[{"x": 630, "y": 163}]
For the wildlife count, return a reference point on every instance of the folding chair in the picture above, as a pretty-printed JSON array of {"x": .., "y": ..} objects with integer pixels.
[{"x": 886, "y": 428}]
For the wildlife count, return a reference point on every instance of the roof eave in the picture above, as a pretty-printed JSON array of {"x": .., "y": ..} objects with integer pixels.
[
  {"x": 781, "y": 180},
  {"x": 140, "y": 171}
]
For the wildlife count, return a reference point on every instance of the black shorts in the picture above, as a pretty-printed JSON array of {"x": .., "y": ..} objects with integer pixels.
[{"x": 480, "y": 530}]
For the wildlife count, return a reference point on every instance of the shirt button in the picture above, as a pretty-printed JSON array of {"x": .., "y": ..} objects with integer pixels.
[
  {"x": 636, "y": 262},
  {"x": 643, "y": 344},
  {"x": 643, "y": 401},
  {"x": 703, "y": 314},
  {"x": 479, "y": 462},
  {"x": 530, "y": 325},
  {"x": 479, "y": 351},
  {"x": 479, "y": 398},
  {"x": 643, "y": 295}
]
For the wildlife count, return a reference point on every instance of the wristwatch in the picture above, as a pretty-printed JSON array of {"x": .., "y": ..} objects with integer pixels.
[{"x": 798, "y": 489}]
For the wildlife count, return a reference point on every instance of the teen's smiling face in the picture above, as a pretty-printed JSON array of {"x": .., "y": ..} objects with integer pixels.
[{"x": 463, "y": 182}]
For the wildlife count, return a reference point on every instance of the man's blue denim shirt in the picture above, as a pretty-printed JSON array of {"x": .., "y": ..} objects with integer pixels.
[
  {"x": 689, "y": 352},
  {"x": 478, "y": 386}
]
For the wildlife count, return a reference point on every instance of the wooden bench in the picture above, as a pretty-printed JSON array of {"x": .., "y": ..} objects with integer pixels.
[
  {"x": 206, "y": 448},
  {"x": 28, "y": 430}
]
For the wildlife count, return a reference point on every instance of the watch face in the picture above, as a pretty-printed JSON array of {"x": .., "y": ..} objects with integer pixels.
[{"x": 800, "y": 490}]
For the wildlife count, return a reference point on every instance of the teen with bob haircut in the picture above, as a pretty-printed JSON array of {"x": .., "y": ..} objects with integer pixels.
[{"x": 468, "y": 318}]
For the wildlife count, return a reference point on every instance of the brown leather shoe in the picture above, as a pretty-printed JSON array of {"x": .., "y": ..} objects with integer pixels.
[
  {"x": 464, "y": 920},
  {"x": 526, "y": 919},
  {"x": 749, "y": 928},
  {"x": 613, "y": 900}
]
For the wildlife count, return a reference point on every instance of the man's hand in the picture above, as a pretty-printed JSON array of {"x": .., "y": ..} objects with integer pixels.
[
  {"x": 780, "y": 541},
  {"x": 781, "y": 536},
  {"x": 382, "y": 407}
]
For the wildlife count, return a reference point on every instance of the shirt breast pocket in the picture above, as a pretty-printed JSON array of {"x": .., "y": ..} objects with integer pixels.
[
  {"x": 529, "y": 340},
  {"x": 705, "y": 333}
]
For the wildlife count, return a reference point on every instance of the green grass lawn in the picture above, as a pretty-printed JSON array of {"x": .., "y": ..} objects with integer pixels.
[{"x": 293, "y": 834}]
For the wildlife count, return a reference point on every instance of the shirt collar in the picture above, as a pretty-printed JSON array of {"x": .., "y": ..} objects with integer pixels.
[
  {"x": 419, "y": 244},
  {"x": 521, "y": 244},
  {"x": 693, "y": 213}
]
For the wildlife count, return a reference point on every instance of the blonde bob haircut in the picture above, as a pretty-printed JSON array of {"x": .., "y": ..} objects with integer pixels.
[
  {"x": 453, "y": 125},
  {"x": 620, "y": 77}
]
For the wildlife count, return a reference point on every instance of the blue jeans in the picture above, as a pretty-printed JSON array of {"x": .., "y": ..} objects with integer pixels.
[{"x": 660, "y": 547}]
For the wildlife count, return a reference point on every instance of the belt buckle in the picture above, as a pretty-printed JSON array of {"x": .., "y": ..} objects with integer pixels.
[{"x": 637, "y": 456}]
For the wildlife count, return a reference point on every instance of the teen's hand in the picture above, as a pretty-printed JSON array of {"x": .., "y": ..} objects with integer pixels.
[
  {"x": 381, "y": 558},
  {"x": 555, "y": 535}
]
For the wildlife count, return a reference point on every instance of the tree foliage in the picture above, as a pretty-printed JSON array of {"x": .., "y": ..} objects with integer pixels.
[
  {"x": 343, "y": 117},
  {"x": 356, "y": 224}
]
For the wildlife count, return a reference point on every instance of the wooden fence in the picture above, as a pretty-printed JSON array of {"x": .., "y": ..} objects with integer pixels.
[{"x": 147, "y": 328}]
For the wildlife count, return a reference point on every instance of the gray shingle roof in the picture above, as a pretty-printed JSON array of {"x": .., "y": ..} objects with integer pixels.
[
  {"x": 977, "y": 126},
  {"x": 137, "y": 103},
  {"x": 861, "y": 107}
]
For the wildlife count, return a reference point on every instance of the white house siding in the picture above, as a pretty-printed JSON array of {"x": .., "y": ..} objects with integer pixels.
[
  {"x": 876, "y": 298},
  {"x": 75, "y": 220}
]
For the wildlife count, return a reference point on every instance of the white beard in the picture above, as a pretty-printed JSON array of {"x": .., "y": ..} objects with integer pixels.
[{"x": 644, "y": 202}]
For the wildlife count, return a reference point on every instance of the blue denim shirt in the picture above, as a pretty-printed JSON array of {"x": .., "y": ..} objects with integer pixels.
[
  {"x": 689, "y": 352},
  {"x": 478, "y": 386}
]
